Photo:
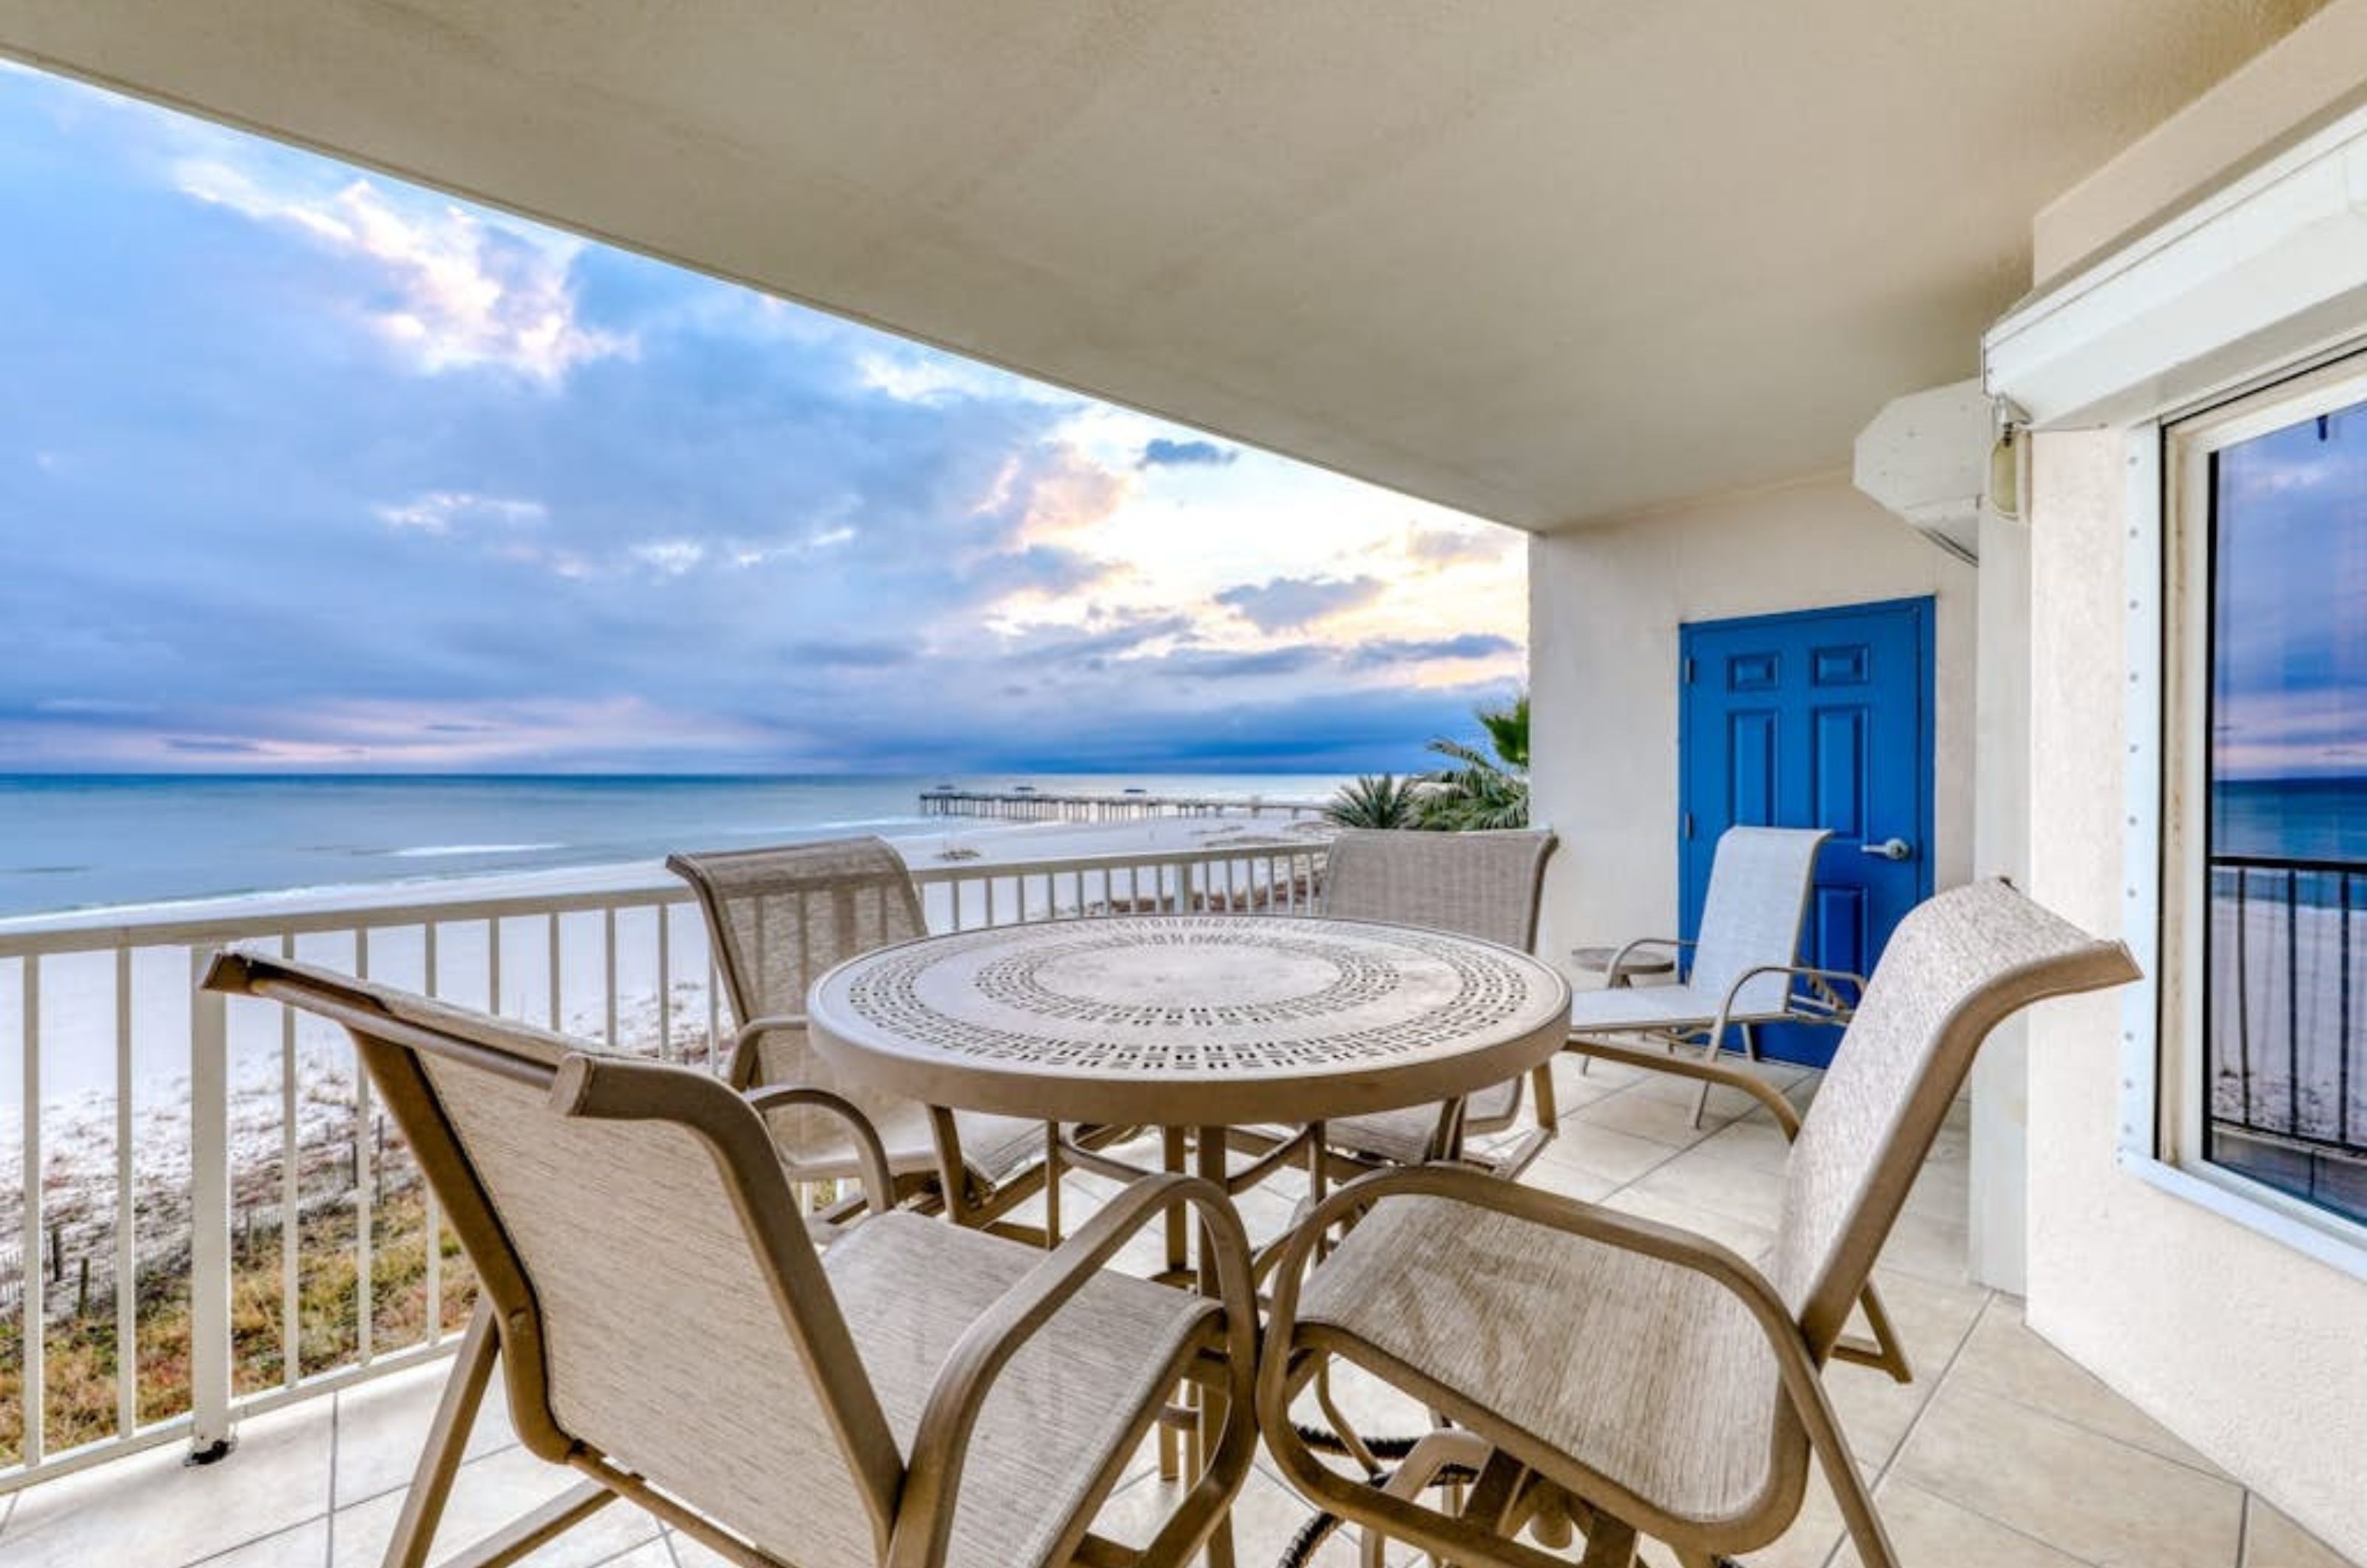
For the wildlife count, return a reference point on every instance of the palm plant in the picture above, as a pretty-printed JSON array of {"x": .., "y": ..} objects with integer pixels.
[
  {"x": 1482, "y": 791},
  {"x": 1377, "y": 800}
]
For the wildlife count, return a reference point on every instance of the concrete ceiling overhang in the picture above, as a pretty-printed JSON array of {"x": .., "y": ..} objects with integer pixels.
[{"x": 1543, "y": 260}]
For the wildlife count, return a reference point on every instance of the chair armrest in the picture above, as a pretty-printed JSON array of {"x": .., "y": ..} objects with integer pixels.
[
  {"x": 1630, "y": 1232},
  {"x": 740, "y": 1071},
  {"x": 1826, "y": 998},
  {"x": 941, "y": 1441},
  {"x": 1797, "y": 1365},
  {"x": 1619, "y": 959},
  {"x": 1884, "y": 1352},
  {"x": 1787, "y": 1118},
  {"x": 757, "y": 1027},
  {"x": 879, "y": 1185}
]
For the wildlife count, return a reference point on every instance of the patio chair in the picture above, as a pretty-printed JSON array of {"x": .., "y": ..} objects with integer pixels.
[
  {"x": 1477, "y": 885},
  {"x": 1743, "y": 967},
  {"x": 1608, "y": 1374},
  {"x": 917, "y": 1394},
  {"x": 776, "y": 918}
]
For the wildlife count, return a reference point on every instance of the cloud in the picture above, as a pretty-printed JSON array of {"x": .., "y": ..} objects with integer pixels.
[
  {"x": 1282, "y": 603},
  {"x": 909, "y": 373},
  {"x": 1442, "y": 548},
  {"x": 669, "y": 557},
  {"x": 1049, "y": 493},
  {"x": 1160, "y": 452},
  {"x": 757, "y": 539},
  {"x": 1383, "y": 652},
  {"x": 461, "y": 290},
  {"x": 1286, "y": 660},
  {"x": 199, "y": 748},
  {"x": 851, "y": 655},
  {"x": 95, "y": 707},
  {"x": 1039, "y": 571},
  {"x": 439, "y": 513},
  {"x": 1131, "y": 636}
]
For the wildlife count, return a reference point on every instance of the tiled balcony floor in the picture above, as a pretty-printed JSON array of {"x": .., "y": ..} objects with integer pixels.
[{"x": 2001, "y": 1454}]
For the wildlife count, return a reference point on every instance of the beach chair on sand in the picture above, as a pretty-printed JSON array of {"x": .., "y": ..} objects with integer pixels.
[
  {"x": 916, "y": 1396},
  {"x": 1477, "y": 884},
  {"x": 1599, "y": 1373},
  {"x": 777, "y": 917},
  {"x": 1741, "y": 972}
]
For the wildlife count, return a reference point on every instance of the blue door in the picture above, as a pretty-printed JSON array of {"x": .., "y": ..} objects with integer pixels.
[{"x": 1818, "y": 719}]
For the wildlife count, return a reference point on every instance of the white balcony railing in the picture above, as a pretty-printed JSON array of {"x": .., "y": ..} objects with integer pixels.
[{"x": 211, "y": 1217}]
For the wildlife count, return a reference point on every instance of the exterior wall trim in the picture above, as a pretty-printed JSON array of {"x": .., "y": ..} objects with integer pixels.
[{"x": 2268, "y": 268}]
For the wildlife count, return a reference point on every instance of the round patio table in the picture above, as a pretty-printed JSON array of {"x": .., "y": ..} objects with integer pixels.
[
  {"x": 1197, "y": 1021},
  {"x": 1189, "y": 1020}
]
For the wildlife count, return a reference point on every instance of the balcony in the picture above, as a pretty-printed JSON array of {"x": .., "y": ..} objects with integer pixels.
[
  {"x": 1971, "y": 1458},
  {"x": 2287, "y": 1101}
]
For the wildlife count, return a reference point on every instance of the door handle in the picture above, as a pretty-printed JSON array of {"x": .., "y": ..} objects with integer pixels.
[{"x": 1890, "y": 849}]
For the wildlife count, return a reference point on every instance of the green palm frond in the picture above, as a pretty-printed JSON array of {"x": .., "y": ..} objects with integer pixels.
[
  {"x": 1508, "y": 732},
  {"x": 1377, "y": 800},
  {"x": 1480, "y": 792}
]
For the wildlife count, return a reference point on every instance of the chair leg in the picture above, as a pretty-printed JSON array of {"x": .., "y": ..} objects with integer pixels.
[
  {"x": 529, "y": 1532},
  {"x": 1710, "y": 1053},
  {"x": 1609, "y": 1544},
  {"x": 1437, "y": 1450},
  {"x": 1051, "y": 1186},
  {"x": 1170, "y": 1157},
  {"x": 447, "y": 1440},
  {"x": 1701, "y": 1100},
  {"x": 1864, "y": 1525}
]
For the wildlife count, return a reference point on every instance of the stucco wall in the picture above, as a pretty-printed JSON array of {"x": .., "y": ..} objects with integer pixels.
[
  {"x": 2311, "y": 70},
  {"x": 1605, "y": 603},
  {"x": 2251, "y": 1351}
]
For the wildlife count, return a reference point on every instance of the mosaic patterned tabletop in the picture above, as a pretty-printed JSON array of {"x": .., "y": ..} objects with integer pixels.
[{"x": 1189, "y": 1019}]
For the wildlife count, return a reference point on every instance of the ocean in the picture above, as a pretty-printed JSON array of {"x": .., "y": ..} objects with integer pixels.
[
  {"x": 80, "y": 842},
  {"x": 2298, "y": 819}
]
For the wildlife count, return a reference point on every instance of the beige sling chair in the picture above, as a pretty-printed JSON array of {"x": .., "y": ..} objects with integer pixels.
[
  {"x": 917, "y": 1394},
  {"x": 1742, "y": 971},
  {"x": 1477, "y": 884},
  {"x": 1603, "y": 1374},
  {"x": 777, "y": 917}
]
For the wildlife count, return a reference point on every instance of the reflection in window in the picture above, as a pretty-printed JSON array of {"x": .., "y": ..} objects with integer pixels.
[{"x": 2285, "y": 1099}]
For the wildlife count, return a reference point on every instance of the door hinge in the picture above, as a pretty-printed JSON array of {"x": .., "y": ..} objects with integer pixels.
[
  {"x": 1689, "y": 671},
  {"x": 1689, "y": 825}
]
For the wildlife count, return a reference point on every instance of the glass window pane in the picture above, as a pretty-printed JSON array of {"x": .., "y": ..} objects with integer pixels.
[{"x": 2286, "y": 1005}]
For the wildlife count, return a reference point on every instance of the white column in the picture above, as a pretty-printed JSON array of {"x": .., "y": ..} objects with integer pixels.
[{"x": 2000, "y": 1159}]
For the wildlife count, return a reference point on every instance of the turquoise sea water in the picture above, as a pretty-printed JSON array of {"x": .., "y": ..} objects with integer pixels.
[
  {"x": 75, "y": 842},
  {"x": 2305, "y": 819}
]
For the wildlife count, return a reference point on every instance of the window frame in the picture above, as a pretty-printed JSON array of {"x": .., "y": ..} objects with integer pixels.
[{"x": 2163, "y": 1131}]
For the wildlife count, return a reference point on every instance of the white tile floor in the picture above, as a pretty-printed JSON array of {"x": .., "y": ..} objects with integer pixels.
[{"x": 2001, "y": 1454}]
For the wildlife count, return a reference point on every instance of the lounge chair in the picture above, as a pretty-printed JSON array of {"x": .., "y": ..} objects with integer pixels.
[
  {"x": 1477, "y": 885},
  {"x": 1743, "y": 970},
  {"x": 918, "y": 1395},
  {"x": 1612, "y": 1376},
  {"x": 776, "y": 918}
]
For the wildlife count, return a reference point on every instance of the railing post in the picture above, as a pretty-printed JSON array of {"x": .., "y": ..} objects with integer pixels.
[
  {"x": 34, "y": 1304},
  {"x": 1184, "y": 888},
  {"x": 209, "y": 1280}
]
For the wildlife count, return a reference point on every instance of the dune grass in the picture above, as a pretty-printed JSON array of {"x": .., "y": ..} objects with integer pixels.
[{"x": 80, "y": 1351}]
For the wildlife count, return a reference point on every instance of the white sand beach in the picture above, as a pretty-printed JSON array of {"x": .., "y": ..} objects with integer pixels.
[{"x": 2277, "y": 1026}]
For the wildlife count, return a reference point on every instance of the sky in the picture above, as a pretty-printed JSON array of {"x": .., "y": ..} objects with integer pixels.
[
  {"x": 304, "y": 469},
  {"x": 2289, "y": 592}
]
